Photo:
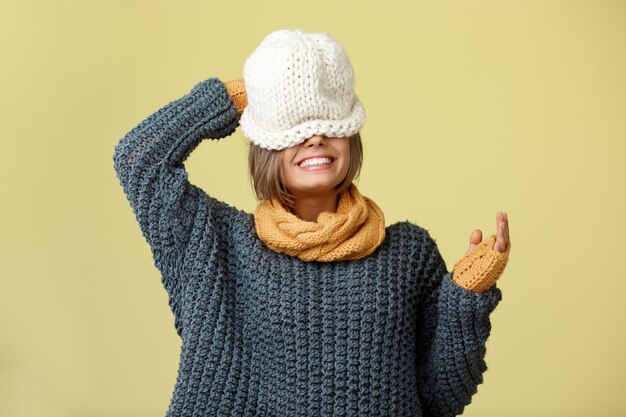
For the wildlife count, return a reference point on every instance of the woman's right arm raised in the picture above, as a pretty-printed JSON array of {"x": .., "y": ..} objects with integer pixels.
[{"x": 149, "y": 160}]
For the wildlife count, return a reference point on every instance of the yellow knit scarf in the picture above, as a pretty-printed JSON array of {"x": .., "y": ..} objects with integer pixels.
[{"x": 354, "y": 231}]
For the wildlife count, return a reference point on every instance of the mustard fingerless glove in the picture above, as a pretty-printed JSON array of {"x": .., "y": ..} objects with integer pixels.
[
  {"x": 480, "y": 269},
  {"x": 237, "y": 91}
]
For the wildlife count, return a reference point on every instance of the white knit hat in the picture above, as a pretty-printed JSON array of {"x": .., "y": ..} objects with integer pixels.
[{"x": 299, "y": 84}]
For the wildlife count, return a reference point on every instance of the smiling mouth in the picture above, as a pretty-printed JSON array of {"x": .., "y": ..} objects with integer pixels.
[{"x": 316, "y": 162}]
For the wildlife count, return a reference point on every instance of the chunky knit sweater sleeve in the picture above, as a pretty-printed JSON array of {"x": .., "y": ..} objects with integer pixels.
[
  {"x": 148, "y": 160},
  {"x": 453, "y": 324}
]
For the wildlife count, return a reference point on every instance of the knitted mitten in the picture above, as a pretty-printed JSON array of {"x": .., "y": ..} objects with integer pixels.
[
  {"x": 237, "y": 91},
  {"x": 480, "y": 269}
]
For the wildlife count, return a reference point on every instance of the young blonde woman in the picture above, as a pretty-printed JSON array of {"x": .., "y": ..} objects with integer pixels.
[{"x": 309, "y": 306}]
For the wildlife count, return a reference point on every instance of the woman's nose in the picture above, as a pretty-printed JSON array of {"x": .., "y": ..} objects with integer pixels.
[{"x": 316, "y": 140}]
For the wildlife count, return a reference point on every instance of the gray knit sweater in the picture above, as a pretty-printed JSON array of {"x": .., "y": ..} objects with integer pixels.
[{"x": 267, "y": 334}]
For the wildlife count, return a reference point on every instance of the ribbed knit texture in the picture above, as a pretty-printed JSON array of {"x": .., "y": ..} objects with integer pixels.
[{"x": 267, "y": 334}]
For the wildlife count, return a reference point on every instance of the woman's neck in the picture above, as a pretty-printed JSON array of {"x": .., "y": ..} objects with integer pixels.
[{"x": 308, "y": 208}]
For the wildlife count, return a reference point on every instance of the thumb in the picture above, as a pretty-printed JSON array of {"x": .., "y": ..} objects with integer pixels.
[{"x": 475, "y": 238}]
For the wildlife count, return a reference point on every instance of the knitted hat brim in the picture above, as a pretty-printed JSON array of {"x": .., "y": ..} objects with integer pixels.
[{"x": 297, "y": 134}]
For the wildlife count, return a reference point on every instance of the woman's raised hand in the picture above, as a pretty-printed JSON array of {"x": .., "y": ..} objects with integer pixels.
[
  {"x": 485, "y": 260},
  {"x": 502, "y": 234}
]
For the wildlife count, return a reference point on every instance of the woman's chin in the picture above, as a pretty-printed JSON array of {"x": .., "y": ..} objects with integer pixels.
[{"x": 314, "y": 189}]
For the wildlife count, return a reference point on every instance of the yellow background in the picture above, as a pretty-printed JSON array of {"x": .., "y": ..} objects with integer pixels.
[{"x": 473, "y": 108}]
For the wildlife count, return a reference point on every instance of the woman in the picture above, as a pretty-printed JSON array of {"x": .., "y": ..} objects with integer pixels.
[{"x": 310, "y": 305}]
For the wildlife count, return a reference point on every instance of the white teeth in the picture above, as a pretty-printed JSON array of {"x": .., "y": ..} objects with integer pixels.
[{"x": 316, "y": 162}]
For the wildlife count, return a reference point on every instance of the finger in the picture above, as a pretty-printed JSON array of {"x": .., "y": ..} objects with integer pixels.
[
  {"x": 506, "y": 227},
  {"x": 501, "y": 233},
  {"x": 504, "y": 232},
  {"x": 499, "y": 225}
]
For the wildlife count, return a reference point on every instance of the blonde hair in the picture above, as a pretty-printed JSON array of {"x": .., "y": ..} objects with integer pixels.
[{"x": 266, "y": 172}]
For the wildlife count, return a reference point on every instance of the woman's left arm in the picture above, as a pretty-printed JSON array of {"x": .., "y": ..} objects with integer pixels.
[{"x": 453, "y": 327}]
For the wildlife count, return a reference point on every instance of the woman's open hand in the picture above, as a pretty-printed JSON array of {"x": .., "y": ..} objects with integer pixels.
[
  {"x": 502, "y": 234},
  {"x": 485, "y": 260}
]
